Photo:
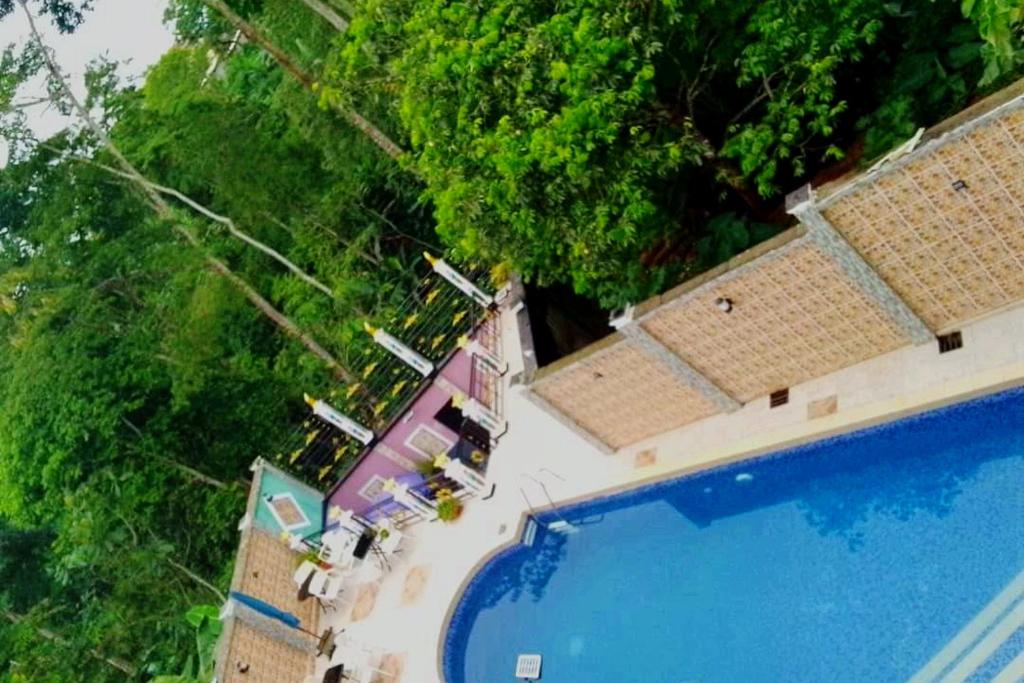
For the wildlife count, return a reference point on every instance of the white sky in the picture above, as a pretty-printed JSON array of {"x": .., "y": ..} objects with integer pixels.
[{"x": 123, "y": 30}]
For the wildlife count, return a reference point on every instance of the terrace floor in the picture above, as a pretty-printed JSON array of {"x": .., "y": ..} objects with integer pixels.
[{"x": 405, "y": 613}]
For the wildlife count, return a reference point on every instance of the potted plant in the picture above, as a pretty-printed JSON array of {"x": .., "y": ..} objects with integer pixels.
[
  {"x": 426, "y": 467},
  {"x": 449, "y": 509},
  {"x": 311, "y": 555}
]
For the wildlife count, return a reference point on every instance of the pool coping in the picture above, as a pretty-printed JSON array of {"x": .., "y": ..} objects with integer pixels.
[{"x": 880, "y": 412}]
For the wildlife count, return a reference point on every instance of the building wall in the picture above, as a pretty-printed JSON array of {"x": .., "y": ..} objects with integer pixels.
[
  {"x": 273, "y": 482},
  {"x": 951, "y": 254},
  {"x": 621, "y": 394},
  {"x": 392, "y": 456},
  {"x": 264, "y": 567},
  {"x": 929, "y": 239},
  {"x": 795, "y": 316}
]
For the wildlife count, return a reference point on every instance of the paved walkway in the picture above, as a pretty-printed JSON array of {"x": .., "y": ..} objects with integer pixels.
[{"x": 404, "y": 613}]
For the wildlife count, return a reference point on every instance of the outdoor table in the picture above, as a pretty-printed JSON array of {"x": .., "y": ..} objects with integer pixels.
[{"x": 325, "y": 646}]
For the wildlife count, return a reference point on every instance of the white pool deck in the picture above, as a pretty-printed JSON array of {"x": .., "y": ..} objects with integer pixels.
[{"x": 409, "y": 615}]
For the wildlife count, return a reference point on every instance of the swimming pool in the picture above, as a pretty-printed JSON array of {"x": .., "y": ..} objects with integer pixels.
[{"x": 880, "y": 555}]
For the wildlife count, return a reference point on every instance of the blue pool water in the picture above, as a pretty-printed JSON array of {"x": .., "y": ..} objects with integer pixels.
[{"x": 857, "y": 559}]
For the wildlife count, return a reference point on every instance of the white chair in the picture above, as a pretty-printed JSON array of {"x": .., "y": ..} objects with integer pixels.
[
  {"x": 336, "y": 548},
  {"x": 325, "y": 587},
  {"x": 359, "y": 664},
  {"x": 303, "y": 572},
  {"x": 389, "y": 546}
]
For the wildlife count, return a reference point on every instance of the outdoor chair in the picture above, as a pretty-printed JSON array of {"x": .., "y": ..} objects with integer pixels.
[
  {"x": 359, "y": 664},
  {"x": 305, "y": 570},
  {"x": 337, "y": 549},
  {"x": 325, "y": 586}
]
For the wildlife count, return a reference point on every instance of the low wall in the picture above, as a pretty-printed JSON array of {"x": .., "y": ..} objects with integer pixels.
[{"x": 927, "y": 240}]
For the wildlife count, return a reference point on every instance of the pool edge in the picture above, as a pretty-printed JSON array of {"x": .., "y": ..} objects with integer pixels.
[{"x": 982, "y": 384}]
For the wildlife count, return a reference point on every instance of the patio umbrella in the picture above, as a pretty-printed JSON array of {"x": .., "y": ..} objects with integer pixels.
[{"x": 268, "y": 610}]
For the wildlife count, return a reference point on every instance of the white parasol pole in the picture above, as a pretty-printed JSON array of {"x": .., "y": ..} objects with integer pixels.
[
  {"x": 400, "y": 350},
  {"x": 327, "y": 413},
  {"x": 461, "y": 283}
]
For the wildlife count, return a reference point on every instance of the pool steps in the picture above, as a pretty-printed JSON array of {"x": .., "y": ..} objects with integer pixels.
[
  {"x": 530, "y": 534},
  {"x": 982, "y": 637}
]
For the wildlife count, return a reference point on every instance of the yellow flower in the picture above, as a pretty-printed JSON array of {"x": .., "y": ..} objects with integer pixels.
[
  {"x": 410, "y": 321},
  {"x": 444, "y": 493},
  {"x": 379, "y": 408},
  {"x": 436, "y": 341},
  {"x": 352, "y": 390},
  {"x": 295, "y": 456},
  {"x": 324, "y": 471},
  {"x": 395, "y": 390},
  {"x": 369, "y": 369},
  {"x": 431, "y": 295},
  {"x": 459, "y": 316},
  {"x": 311, "y": 436}
]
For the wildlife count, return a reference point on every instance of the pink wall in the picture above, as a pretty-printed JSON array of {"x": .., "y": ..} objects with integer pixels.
[{"x": 421, "y": 412}]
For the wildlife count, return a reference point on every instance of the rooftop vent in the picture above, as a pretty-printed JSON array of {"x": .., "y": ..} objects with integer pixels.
[
  {"x": 778, "y": 398},
  {"x": 950, "y": 342},
  {"x": 528, "y": 667}
]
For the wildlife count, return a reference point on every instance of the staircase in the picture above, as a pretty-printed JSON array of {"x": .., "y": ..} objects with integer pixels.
[{"x": 990, "y": 648}]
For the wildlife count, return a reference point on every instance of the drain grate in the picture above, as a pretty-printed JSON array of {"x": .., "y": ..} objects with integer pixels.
[
  {"x": 528, "y": 667},
  {"x": 778, "y": 398},
  {"x": 950, "y": 342}
]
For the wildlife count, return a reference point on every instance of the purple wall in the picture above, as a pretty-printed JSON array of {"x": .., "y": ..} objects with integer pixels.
[{"x": 421, "y": 413}]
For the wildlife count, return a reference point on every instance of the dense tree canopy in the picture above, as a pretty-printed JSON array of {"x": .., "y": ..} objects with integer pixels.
[{"x": 594, "y": 142}]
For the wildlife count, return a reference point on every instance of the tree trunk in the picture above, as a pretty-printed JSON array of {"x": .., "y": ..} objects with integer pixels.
[
  {"x": 195, "y": 474},
  {"x": 299, "y": 74},
  {"x": 163, "y": 210},
  {"x": 228, "y": 223},
  {"x": 345, "y": 6},
  {"x": 198, "y": 579},
  {"x": 116, "y": 662},
  {"x": 328, "y": 14}
]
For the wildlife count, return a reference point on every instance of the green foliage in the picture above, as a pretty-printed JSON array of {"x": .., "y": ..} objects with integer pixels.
[
  {"x": 796, "y": 50},
  {"x": 530, "y": 123},
  {"x": 728, "y": 235},
  {"x": 449, "y": 509},
  {"x": 135, "y": 385},
  {"x": 1000, "y": 24},
  {"x": 590, "y": 142},
  {"x": 205, "y": 619},
  {"x": 932, "y": 76},
  {"x": 67, "y": 15}
]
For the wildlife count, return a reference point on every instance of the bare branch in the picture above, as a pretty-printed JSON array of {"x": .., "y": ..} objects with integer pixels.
[
  {"x": 163, "y": 210},
  {"x": 378, "y": 136},
  {"x": 116, "y": 662},
  {"x": 328, "y": 14},
  {"x": 225, "y": 221},
  {"x": 198, "y": 579}
]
